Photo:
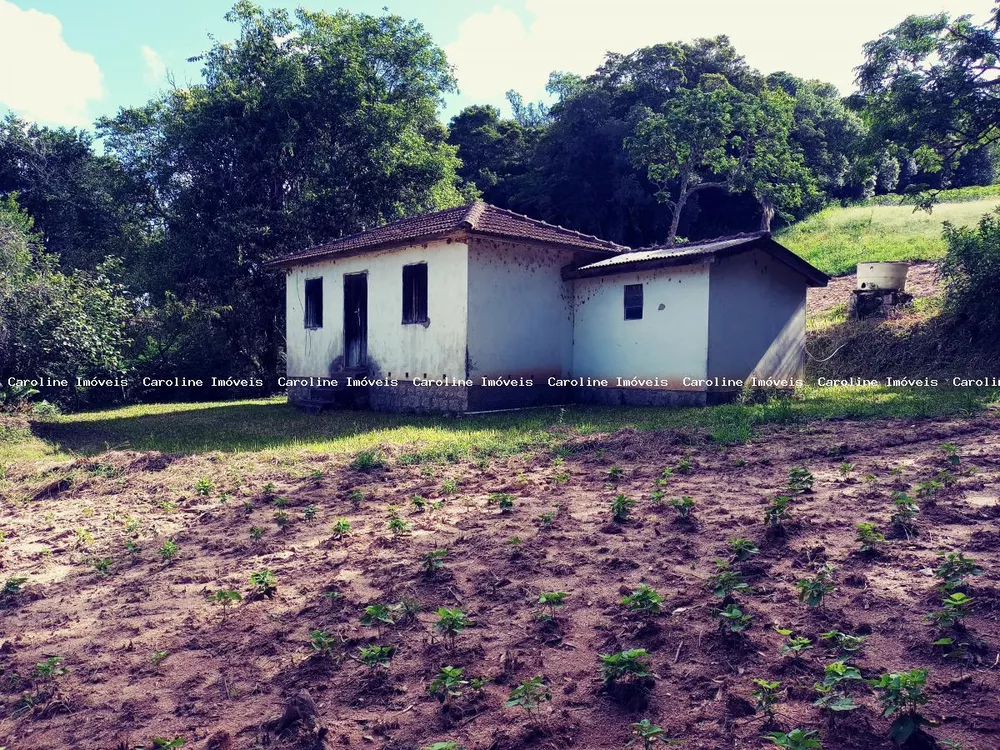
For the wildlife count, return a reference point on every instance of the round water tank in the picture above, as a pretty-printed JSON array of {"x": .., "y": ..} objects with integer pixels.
[{"x": 882, "y": 276}]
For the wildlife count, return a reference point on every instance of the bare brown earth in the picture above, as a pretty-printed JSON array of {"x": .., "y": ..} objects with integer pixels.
[
  {"x": 216, "y": 681},
  {"x": 921, "y": 281}
]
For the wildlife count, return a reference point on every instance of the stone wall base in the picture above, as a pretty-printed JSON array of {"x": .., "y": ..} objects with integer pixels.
[
  {"x": 424, "y": 399},
  {"x": 639, "y": 397}
]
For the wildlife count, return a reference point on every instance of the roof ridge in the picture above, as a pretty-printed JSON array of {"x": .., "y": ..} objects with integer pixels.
[
  {"x": 474, "y": 214},
  {"x": 760, "y": 234},
  {"x": 540, "y": 222}
]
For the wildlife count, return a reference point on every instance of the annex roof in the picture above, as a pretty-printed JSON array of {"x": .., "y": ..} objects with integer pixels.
[
  {"x": 662, "y": 256},
  {"x": 477, "y": 218}
]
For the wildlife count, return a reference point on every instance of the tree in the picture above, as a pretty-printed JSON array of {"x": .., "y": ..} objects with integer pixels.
[
  {"x": 305, "y": 128},
  {"x": 493, "y": 151},
  {"x": 933, "y": 84}
]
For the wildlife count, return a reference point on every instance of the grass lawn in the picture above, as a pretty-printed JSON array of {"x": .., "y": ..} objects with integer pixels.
[
  {"x": 272, "y": 426},
  {"x": 836, "y": 239}
]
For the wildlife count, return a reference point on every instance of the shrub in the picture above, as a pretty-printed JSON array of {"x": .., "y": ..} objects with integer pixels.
[
  {"x": 953, "y": 568},
  {"x": 368, "y": 460},
  {"x": 971, "y": 274}
]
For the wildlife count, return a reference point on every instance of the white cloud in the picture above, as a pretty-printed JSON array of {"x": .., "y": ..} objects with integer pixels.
[
  {"x": 156, "y": 69},
  {"x": 43, "y": 79},
  {"x": 497, "y": 50}
]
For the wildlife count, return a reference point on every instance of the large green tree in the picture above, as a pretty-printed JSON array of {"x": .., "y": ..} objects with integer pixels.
[{"x": 305, "y": 128}]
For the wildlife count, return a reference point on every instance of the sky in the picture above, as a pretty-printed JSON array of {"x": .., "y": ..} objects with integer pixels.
[{"x": 67, "y": 62}]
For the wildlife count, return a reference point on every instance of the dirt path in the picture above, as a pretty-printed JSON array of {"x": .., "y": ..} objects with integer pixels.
[
  {"x": 147, "y": 655},
  {"x": 921, "y": 281}
]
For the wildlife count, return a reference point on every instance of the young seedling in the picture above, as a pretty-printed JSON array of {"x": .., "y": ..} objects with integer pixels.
[
  {"x": 433, "y": 561},
  {"x": 280, "y": 502},
  {"x": 615, "y": 473},
  {"x": 546, "y": 519},
  {"x": 621, "y": 506},
  {"x": 725, "y": 581},
  {"x": 904, "y": 513},
  {"x": 168, "y": 551},
  {"x": 684, "y": 466},
  {"x": 953, "y": 568},
  {"x": 226, "y": 598},
  {"x": 845, "y": 469},
  {"x": 742, "y": 548},
  {"x": 450, "y": 623},
  {"x": 419, "y": 502},
  {"x": 448, "y": 745},
  {"x": 951, "y": 454},
  {"x": 931, "y": 487},
  {"x": 833, "y": 697},
  {"x": 645, "y": 600},
  {"x": 322, "y": 642},
  {"x": 902, "y": 694},
  {"x": 794, "y": 645},
  {"x": 263, "y": 584},
  {"x": 448, "y": 684},
  {"x": 550, "y": 601},
  {"x": 766, "y": 695},
  {"x": 397, "y": 525},
  {"x": 813, "y": 590},
  {"x": 281, "y": 519},
  {"x": 870, "y": 538},
  {"x": 204, "y": 487},
  {"x": 309, "y": 512},
  {"x": 626, "y": 667},
  {"x": 355, "y": 498},
  {"x": 954, "y": 608},
  {"x": 648, "y": 734},
  {"x": 953, "y": 649},
  {"x": 50, "y": 669},
  {"x": 796, "y": 739},
  {"x": 503, "y": 500},
  {"x": 449, "y": 487},
  {"x": 529, "y": 695},
  {"x": 316, "y": 475},
  {"x": 163, "y": 743},
  {"x": 158, "y": 657},
  {"x": 368, "y": 460},
  {"x": 845, "y": 643},
  {"x": 12, "y": 587},
  {"x": 379, "y": 615},
  {"x": 684, "y": 507},
  {"x": 341, "y": 528},
  {"x": 374, "y": 656},
  {"x": 776, "y": 512},
  {"x": 269, "y": 490},
  {"x": 800, "y": 480},
  {"x": 732, "y": 619},
  {"x": 103, "y": 565},
  {"x": 256, "y": 532}
]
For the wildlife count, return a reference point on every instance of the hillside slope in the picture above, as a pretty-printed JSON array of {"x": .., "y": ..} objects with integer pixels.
[{"x": 837, "y": 238}]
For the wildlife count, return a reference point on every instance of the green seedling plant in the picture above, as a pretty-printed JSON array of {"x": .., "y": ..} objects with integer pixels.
[
  {"x": 503, "y": 500},
  {"x": 368, "y": 460},
  {"x": 449, "y": 487},
  {"x": 832, "y": 690},
  {"x": 955, "y": 607},
  {"x": 621, "y": 506},
  {"x": 448, "y": 745},
  {"x": 800, "y": 480},
  {"x": 796, "y": 739},
  {"x": 281, "y": 519},
  {"x": 684, "y": 466},
  {"x": 132, "y": 547},
  {"x": 546, "y": 519},
  {"x": 645, "y": 600},
  {"x": 449, "y": 683},
  {"x": 794, "y": 645},
  {"x": 725, "y": 581},
  {"x": 204, "y": 487},
  {"x": 355, "y": 498},
  {"x": 904, "y": 513},
  {"x": 742, "y": 549},
  {"x": 322, "y": 643},
  {"x": 256, "y": 532},
  {"x": 309, "y": 512},
  {"x": 615, "y": 473},
  {"x": 225, "y": 598},
  {"x": 379, "y": 615},
  {"x": 375, "y": 657},
  {"x": 648, "y": 734},
  {"x": 433, "y": 561},
  {"x": 163, "y": 743},
  {"x": 684, "y": 507},
  {"x": 951, "y": 454},
  {"x": 263, "y": 583},
  {"x": 550, "y": 601},
  {"x": 931, "y": 487},
  {"x": 397, "y": 525},
  {"x": 12, "y": 587},
  {"x": 732, "y": 619},
  {"x": 844, "y": 642},
  {"x": 845, "y": 469},
  {"x": 341, "y": 528},
  {"x": 450, "y": 623},
  {"x": 813, "y": 590},
  {"x": 419, "y": 502},
  {"x": 158, "y": 657},
  {"x": 168, "y": 551},
  {"x": 280, "y": 502},
  {"x": 103, "y": 565},
  {"x": 870, "y": 538},
  {"x": 50, "y": 669},
  {"x": 529, "y": 695},
  {"x": 953, "y": 649},
  {"x": 766, "y": 695},
  {"x": 901, "y": 695},
  {"x": 269, "y": 490},
  {"x": 632, "y": 666},
  {"x": 953, "y": 568},
  {"x": 776, "y": 512}
]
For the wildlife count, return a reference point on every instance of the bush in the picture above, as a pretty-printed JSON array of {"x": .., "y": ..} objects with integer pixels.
[{"x": 971, "y": 272}]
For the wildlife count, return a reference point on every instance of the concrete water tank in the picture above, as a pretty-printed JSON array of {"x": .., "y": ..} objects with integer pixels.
[{"x": 887, "y": 276}]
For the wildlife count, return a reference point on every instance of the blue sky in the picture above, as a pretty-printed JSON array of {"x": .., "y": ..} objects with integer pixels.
[{"x": 78, "y": 59}]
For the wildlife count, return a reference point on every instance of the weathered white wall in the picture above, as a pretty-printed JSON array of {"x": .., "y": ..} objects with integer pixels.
[
  {"x": 671, "y": 340},
  {"x": 437, "y": 349},
  {"x": 757, "y": 318},
  {"x": 520, "y": 310}
]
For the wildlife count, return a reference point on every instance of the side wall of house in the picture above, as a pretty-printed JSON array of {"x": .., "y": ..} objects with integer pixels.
[
  {"x": 670, "y": 342},
  {"x": 757, "y": 318},
  {"x": 520, "y": 322},
  {"x": 395, "y": 350}
]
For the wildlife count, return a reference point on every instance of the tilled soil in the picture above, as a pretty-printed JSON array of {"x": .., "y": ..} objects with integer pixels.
[{"x": 147, "y": 655}]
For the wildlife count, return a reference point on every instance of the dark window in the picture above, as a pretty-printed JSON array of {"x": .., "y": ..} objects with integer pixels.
[
  {"x": 415, "y": 293},
  {"x": 314, "y": 303},
  {"x": 633, "y": 302}
]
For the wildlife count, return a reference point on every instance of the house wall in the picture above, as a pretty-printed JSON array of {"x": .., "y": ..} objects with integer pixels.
[
  {"x": 670, "y": 342},
  {"x": 394, "y": 350},
  {"x": 757, "y": 318},
  {"x": 520, "y": 321}
]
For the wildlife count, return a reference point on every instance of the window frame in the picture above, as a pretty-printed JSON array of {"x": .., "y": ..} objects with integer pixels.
[
  {"x": 416, "y": 312},
  {"x": 312, "y": 314},
  {"x": 630, "y": 305}
]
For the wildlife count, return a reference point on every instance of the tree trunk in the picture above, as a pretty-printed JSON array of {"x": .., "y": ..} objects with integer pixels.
[
  {"x": 767, "y": 214},
  {"x": 675, "y": 219}
]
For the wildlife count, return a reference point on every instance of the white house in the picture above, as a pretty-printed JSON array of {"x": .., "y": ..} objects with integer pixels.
[{"x": 478, "y": 308}]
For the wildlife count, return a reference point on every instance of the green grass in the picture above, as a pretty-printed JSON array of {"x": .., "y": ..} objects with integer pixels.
[
  {"x": 271, "y": 426},
  {"x": 836, "y": 239}
]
